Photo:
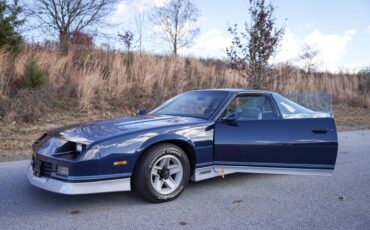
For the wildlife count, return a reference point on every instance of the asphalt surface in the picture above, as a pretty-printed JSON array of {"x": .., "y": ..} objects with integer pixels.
[{"x": 240, "y": 201}]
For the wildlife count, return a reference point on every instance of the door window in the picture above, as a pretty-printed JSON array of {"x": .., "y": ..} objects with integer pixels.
[
  {"x": 250, "y": 107},
  {"x": 292, "y": 110}
]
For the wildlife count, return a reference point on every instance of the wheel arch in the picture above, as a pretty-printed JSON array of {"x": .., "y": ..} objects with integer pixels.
[{"x": 186, "y": 145}]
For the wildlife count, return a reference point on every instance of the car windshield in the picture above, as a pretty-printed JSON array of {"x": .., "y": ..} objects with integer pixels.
[
  {"x": 292, "y": 110},
  {"x": 201, "y": 104}
]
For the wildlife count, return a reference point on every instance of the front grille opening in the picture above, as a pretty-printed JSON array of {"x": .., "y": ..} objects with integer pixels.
[
  {"x": 46, "y": 169},
  {"x": 69, "y": 150}
]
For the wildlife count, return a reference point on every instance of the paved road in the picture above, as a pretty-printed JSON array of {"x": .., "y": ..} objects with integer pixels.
[{"x": 240, "y": 201}]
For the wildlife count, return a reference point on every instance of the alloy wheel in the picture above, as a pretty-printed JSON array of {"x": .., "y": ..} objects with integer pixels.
[{"x": 166, "y": 174}]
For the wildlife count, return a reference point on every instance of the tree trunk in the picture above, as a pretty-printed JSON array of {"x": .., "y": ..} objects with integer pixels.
[
  {"x": 175, "y": 47},
  {"x": 63, "y": 43}
]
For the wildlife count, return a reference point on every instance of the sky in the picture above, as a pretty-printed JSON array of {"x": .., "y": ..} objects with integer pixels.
[{"x": 338, "y": 29}]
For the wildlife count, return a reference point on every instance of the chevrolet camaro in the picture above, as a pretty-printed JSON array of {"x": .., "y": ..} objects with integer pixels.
[{"x": 194, "y": 136}]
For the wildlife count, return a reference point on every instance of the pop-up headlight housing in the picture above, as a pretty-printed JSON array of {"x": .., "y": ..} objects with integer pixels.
[
  {"x": 69, "y": 150},
  {"x": 80, "y": 147}
]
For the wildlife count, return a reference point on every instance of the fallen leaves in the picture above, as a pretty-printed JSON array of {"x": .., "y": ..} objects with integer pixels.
[
  {"x": 237, "y": 201},
  {"x": 75, "y": 212},
  {"x": 183, "y": 222}
]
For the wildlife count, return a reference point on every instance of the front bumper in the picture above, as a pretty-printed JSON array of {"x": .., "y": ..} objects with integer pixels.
[{"x": 75, "y": 188}]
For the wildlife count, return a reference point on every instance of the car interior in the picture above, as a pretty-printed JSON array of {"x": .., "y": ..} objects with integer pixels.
[{"x": 251, "y": 107}]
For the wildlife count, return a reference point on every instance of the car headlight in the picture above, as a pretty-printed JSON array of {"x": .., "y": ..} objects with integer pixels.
[
  {"x": 63, "y": 171},
  {"x": 79, "y": 147}
]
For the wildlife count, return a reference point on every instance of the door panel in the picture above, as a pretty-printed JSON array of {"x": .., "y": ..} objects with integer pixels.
[{"x": 309, "y": 143}]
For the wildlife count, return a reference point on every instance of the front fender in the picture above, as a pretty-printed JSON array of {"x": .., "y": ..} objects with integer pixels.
[
  {"x": 165, "y": 138},
  {"x": 197, "y": 142},
  {"x": 130, "y": 148}
]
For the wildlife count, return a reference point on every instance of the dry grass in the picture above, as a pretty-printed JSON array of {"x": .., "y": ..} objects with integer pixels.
[
  {"x": 92, "y": 84},
  {"x": 350, "y": 118},
  {"x": 16, "y": 138},
  {"x": 95, "y": 79}
]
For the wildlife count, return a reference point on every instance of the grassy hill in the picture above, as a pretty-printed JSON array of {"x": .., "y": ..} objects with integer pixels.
[{"x": 40, "y": 89}]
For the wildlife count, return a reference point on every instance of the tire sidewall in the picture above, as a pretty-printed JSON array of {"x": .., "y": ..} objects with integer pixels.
[{"x": 180, "y": 155}]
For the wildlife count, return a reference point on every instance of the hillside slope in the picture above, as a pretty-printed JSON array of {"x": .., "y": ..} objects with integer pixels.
[{"x": 93, "y": 84}]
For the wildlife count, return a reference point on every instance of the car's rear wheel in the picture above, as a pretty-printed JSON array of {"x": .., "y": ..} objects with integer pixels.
[{"x": 162, "y": 173}]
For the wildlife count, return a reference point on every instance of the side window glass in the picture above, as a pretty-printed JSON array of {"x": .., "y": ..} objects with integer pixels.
[
  {"x": 251, "y": 107},
  {"x": 292, "y": 110}
]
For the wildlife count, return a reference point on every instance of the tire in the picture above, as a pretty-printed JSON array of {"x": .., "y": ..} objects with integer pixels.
[{"x": 162, "y": 173}]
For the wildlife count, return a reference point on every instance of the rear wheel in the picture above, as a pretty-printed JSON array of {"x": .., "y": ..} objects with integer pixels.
[{"x": 162, "y": 173}]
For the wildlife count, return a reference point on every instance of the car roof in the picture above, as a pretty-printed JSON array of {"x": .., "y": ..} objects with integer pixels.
[{"x": 237, "y": 91}]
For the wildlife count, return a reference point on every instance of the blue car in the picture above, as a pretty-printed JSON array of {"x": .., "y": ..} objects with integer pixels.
[{"x": 194, "y": 136}]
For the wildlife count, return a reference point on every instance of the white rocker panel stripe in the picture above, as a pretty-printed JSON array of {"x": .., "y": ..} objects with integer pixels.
[{"x": 218, "y": 170}]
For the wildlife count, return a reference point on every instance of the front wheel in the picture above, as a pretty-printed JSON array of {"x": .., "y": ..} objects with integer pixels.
[{"x": 162, "y": 173}]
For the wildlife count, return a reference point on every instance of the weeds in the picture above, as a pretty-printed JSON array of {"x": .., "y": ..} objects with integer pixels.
[
  {"x": 97, "y": 79},
  {"x": 33, "y": 76},
  {"x": 28, "y": 106}
]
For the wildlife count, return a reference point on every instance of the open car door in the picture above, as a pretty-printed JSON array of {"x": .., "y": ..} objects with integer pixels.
[{"x": 254, "y": 135}]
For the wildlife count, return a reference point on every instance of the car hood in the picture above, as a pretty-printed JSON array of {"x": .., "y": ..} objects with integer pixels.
[{"x": 87, "y": 133}]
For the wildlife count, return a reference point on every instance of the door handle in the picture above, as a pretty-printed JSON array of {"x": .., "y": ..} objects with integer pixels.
[{"x": 319, "y": 130}]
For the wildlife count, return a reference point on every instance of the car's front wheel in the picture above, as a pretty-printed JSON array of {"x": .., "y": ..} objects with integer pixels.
[{"x": 162, "y": 173}]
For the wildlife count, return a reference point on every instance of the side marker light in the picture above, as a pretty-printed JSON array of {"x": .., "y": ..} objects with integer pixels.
[{"x": 116, "y": 163}]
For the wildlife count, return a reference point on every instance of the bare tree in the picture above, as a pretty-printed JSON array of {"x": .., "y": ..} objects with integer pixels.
[
  {"x": 140, "y": 24},
  {"x": 308, "y": 55},
  {"x": 177, "y": 19},
  {"x": 68, "y": 16},
  {"x": 251, "y": 50},
  {"x": 127, "y": 38}
]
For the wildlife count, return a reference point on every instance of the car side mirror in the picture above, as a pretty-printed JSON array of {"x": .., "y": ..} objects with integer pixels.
[
  {"x": 141, "y": 112},
  {"x": 229, "y": 119}
]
